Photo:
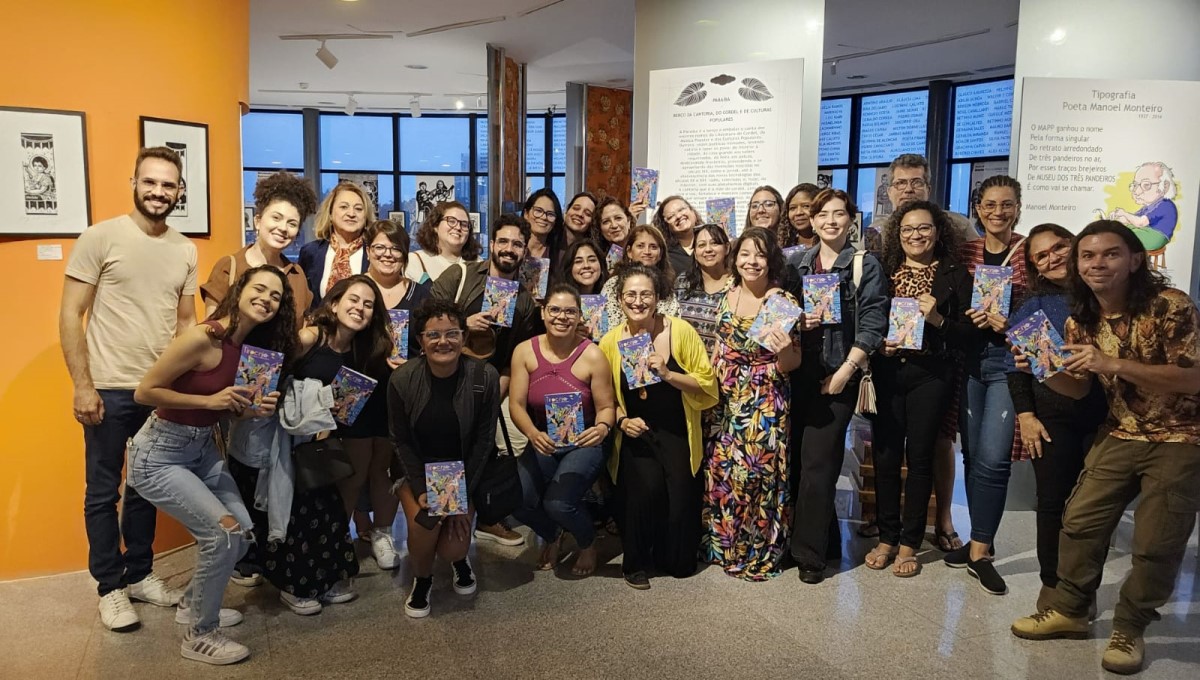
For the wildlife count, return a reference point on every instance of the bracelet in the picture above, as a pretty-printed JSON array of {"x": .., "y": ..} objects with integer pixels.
[
  {"x": 852, "y": 365},
  {"x": 606, "y": 425},
  {"x": 621, "y": 420}
]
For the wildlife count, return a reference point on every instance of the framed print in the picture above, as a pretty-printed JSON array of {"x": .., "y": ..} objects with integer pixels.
[
  {"x": 43, "y": 174},
  {"x": 190, "y": 141},
  {"x": 398, "y": 217}
]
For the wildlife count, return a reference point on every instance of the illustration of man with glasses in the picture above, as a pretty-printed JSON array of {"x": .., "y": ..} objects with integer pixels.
[{"x": 1153, "y": 188}]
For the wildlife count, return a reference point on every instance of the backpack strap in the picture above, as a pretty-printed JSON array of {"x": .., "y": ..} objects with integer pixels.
[{"x": 857, "y": 269}]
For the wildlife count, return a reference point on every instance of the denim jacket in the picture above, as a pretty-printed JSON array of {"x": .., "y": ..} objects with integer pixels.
[{"x": 868, "y": 306}]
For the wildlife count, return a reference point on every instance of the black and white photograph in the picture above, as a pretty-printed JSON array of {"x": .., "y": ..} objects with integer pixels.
[
  {"x": 191, "y": 215},
  {"x": 397, "y": 218},
  {"x": 431, "y": 190},
  {"x": 369, "y": 183},
  {"x": 181, "y": 208},
  {"x": 45, "y": 182}
]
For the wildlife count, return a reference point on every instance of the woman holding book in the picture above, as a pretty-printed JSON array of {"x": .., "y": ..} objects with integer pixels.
[
  {"x": 612, "y": 220},
  {"x": 558, "y": 467},
  {"x": 648, "y": 247},
  {"x": 990, "y": 434},
  {"x": 825, "y": 389},
  {"x": 442, "y": 408},
  {"x": 702, "y": 285},
  {"x": 547, "y": 238},
  {"x": 677, "y": 220},
  {"x": 766, "y": 210},
  {"x": 174, "y": 462},
  {"x": 746, "y": 490},
  {"x": 796, "y": 227},
  {"x": 446, "y": 239},
  {"x": 339, "y": 250},
  {"x": 913, "y": 380},
  {"x": 658, "y": 448}
]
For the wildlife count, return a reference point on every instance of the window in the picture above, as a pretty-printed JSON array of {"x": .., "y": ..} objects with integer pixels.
[
  {"x": 892, "y": 124},
  {"x": 834, "y": 145},
  {"x": 271, "y": 141},
  {"x": 980, "y": 139},
  {"x": 546, "y": 153}
]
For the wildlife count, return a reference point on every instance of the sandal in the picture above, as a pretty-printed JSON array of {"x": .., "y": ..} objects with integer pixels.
[
  {"x": 946, "y": 542},
  {"x": 904, "y": 561},
  {"x": 869, "y": 529},
  {"x": 880, "y": 557}
]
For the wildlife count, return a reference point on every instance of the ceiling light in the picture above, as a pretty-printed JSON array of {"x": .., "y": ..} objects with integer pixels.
[
  {"x": 706, "y": 22},
  {"x": 351, "y": 105},
  {"x": 326, "y": 56},
  {"x": 416, "y": 67},
  {"x": 414, "y": 107},
  {"x": 859, "y": 77},
  {"x": 458, "y": 104},
  {"x": 813, "y": 25},
  {"x": 1058, "y": 36},
  {"x": 833, "y": 69}
]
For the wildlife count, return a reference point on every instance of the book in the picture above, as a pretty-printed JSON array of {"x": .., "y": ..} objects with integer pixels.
[
  {"x": 399, "y": 318},
  {"x": 501, "y": 294},
  {"x": 535, "y": 276},
  {"x": 259, "y": 368},
  {"x": 906, "y": 325},
  {"x": 594, "y": 316},
  {"x": 992, "y": 289},
  {"x": 351, "y": 390},
  {"x": 721, "y": 211},
  {"x": 645, "y": 187},
  {"x": 1040, "y": 341},
  {"x": 564, "y": 417},
  {"x": 777, "y": 314},
  {"x": 615, "y": 253},
  {"x": 822, "y": 297},
  {"x": 635, "y": 360},
  {"x": 792, "y": 250},
  {"x": 446, "y": 488}
]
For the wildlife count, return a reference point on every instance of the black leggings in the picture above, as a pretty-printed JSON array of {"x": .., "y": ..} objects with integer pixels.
[
  {"x": 660, "y": 499},
  {"x": 1056, "y": 472}
]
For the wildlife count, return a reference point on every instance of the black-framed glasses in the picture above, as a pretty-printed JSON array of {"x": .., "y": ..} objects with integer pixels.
[
  {"x": 542, "y": 213},
  {"x": 455, "y": 223},
  {"x": 764, "y": 205},
  {"x": 565, "y": 312},
  {"x": 918, "y": 229},
  {"x": 380, "y": 250}
]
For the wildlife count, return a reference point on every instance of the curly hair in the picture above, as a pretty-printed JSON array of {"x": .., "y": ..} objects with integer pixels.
[
  {"x": 664, "y": 262},
  {"x": 598, "y": 217},
  {"x": 427, "y": 236},
  {"x": 660, "y": 221},
  {"x": 279, "y": 333},
  {"x": 693, "y": 278},
  {"x": 323, "y": 226},
  {"x": 394, "y": 233},
  {"x": 371, "y": 346},
  {"x": 778, "y": 201},
  {"x": 286, "y": 187},
  {"x": 512, "y": 220},
  {"x": 592, "y": 231},
  {"x": 788, "y": 235},
  {"x": 433, "y": 308},
  {"x": 764, "y": 240},
  {"x": 662, "y": 285},
  {"x": 946, "y": 243},
  {"x": 1144, "y": 284},
  {"x": 567, "y": 264}
]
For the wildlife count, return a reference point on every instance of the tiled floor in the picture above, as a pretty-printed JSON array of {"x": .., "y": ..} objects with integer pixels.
[{"x": 522, "y": 624}]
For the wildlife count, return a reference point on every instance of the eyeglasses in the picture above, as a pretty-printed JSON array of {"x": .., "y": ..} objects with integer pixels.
[
  {"x": 764, "y": 205},
  {"x": 1060, "y": 249},
  {"x": 633, "y": 296},
  {"x": 902, "y": 184},
  {"x": 542, "y": 213},
  {"x": 504, "y": 242},
  {"x": 992, "y": 206},
  {"x": 455, "y": 223},
  {"x": 567, "y": 312},
  {"x": 919, "y": 230},
  {"x": 380, "y": 250},
  {"x": 453, "y": 335},
  {"x": 1144, "y": 185}
]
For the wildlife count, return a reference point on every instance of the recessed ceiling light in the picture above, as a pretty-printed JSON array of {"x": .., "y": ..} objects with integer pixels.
[
  {"x": 416, "y": 67},
  {"x": 1058, "y": 36},
  {"x": 458, "y": 104},
  {"x": 855, "y": 77},
  {"x": 706, "y": 22}
]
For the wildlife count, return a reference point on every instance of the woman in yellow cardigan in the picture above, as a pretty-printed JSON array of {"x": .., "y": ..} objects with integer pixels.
[{"x": 658, "y": 446}]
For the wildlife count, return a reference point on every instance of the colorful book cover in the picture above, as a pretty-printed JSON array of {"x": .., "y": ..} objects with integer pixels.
[
  {"x": 992, "y": 290},
  {"x": 777, "y": 314},
  {"x": 792, "y": 250},
  {"x": 399, "y": 319},
  {"x": 593, "y": 315},
  {"x": 822, "y": 299},
  {"x": 615, "y": 253},
  {"x": 1038, "y": 340},
  {"x": 446, "y": 488},
  {"x": 351, "y": 390},
  {"x": 501, "y": 294},
  {"x": 906, "y": 325},
  {"x": 645, "y": 187},
  {"x": 721, "y": 211},
  {"x": 635, "y": 360},
  {"x": 259, "y": 368},
  {"x": 535, "y": 276},
  {"x": 564, "y": 417}
]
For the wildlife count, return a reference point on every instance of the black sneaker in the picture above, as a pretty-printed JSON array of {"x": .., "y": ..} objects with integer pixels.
[
  {"x": 989, "y": 578},
  {"x": 812, "y": 575},
  {"x": 464, "y": 578},
  {"x": 638, "y": 580},
  {"x": 959, "y": 559},
  {"x": 417, "y": 605}
]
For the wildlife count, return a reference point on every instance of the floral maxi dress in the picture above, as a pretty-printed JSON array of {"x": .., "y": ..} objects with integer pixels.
[{"x": 746, "y": 495}]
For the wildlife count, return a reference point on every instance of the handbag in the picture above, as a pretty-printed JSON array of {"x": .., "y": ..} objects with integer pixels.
[
  {"x": 498, "y": 493},
  {"x": 319, "y": 463},
  {"x": 866, "y": 387}
]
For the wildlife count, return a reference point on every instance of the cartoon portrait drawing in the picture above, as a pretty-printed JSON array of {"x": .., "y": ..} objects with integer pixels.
[
  {"x": 904, "y": 334},
  {"x": 1154, "y": 189}
]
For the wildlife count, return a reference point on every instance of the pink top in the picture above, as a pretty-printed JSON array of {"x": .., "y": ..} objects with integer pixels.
[
  {"x": 550, "y": 378},
  {"x": 205, "y": 382}
]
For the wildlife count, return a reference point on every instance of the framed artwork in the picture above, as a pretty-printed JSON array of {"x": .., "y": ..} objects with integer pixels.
[
  {"x": 44, "y": 173},
  {"x": 190, "y": 140},
  {"x": 398, "y": 217}
]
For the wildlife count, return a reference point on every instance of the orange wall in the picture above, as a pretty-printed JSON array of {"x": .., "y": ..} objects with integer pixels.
[{"x": 116, "y": 60}]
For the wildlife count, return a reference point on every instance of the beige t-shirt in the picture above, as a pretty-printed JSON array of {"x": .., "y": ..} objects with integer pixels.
[
  {"x": 139, "y": 280},
  {"x": 422, "y": 263}
]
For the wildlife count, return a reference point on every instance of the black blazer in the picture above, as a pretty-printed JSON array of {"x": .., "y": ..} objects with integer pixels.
[
  {"x": 952, "y": 290},
  {"x": 312, "y": 261}
]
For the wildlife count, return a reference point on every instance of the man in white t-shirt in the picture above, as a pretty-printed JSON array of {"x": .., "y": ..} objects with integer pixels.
[{"x": 133, "y": 278}]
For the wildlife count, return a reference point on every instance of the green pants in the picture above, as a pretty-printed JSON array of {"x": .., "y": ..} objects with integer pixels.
[{"x": 1116, "y": 471}]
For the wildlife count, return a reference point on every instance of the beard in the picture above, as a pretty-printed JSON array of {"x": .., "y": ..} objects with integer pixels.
[
  {"x": 143, "y": 207},
  {"x": 503, "y": 266}
]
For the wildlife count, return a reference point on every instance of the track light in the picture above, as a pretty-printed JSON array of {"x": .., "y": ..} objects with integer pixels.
[
  {"x": 458, "y": 104},
  {"x": 414, "y": 107},
  {"x": 326, "y": 56},
  {"x": 351, "y": 105}
]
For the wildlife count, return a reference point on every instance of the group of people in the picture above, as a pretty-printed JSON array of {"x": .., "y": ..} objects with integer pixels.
[{"x": 730, "y": 456}]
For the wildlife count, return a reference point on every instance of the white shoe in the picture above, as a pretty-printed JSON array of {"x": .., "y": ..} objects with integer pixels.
[
  {"x": 383, "y": 547},
  {"x": 116, "y": 612},
  {"x": 246, "y": 580},
  {"x": 342, "y": 591},
  {"x": 154, "y": 590},
  {"x": 213, "y": 647},
  {"x": 229, "y": 617},
  {"x": 300, "y": 606}
]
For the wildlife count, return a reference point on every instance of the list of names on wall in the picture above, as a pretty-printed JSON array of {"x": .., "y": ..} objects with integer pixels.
[
  {"x": 892, "y": 124},
  {"x": 982, "y": 119},
  {"x": 833, "y": 148}
]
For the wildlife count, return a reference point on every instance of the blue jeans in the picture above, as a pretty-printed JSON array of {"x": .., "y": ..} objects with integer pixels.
[
  {"x": 553, "y": 487},
  {"x": 104, "y": 460},
  {"x": 178, "y": 468},
  {"x": 987, "y": 444}
]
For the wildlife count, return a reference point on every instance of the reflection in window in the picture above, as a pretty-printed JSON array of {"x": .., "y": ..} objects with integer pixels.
[
  {"x": 356, "y": 143},
  {"x": 273, "y": 140},
  {"x": 559, "y": 153},
  {"x": 535, "y": 144},
  {"x": 438, "y": 145}
]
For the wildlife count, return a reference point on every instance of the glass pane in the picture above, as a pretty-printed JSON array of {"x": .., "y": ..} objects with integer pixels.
[
  {"x": 273, "y": 140},
  {"x": 960, "y": 187},
  {"x": 982, "y": 119},
  {"x": 379, "y": 186},
  {"x": 559, "y": 154},
  {"x": 249, "y": 179},
  {"x": 834, "y": 145},
  {"x": 533, "y": 183},
  {"x": 892, "y": 124},
  {"x": 441, "y": 145},
  {"x": 481, "y": 144},
  {"x": 411, "y": 189},
  {"x": 535, "y": 144},
  {"x": 559, "y": 185},
  {"x": 356, "y": 142},
  {"x": 837, "y": 179},
  {"x": 481, "y": 200},
  {"x": 869, "y": 193}
]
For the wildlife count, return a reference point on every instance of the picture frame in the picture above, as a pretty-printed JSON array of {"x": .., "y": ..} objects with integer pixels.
[
  {"x": 45, "y": 172},
  {"x": 192, "y": 215},
  {"x": 398, "y": 217}
]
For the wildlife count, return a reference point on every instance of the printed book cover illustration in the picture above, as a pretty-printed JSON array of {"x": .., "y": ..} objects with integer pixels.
[
  {"x": 615, "y": 253},
  {"x": 593, "y": 315},
  {"x": 645, "y": 187},
  {"x": 501, "y": 294},
  {"x": 399, "y": 319},
  {"x": 777, "y": 314},
  {"x": 992, "y": 290},
  {"x": 792, "y": 250},
  {"x": 906, "y": 326},
  {"x": 446, "y": 488},
  {"x": 822, "y": 299},
  {"x": 351, "y": 390},
  {"x": 1038, "y": 340},
  {"x": 564, "y": 417},
  {"x": 721, "y": 211},
  {"x": 635, "y": 360},
  {"x": 535, "y": 276},
  {"x": 259, "y": 368}
]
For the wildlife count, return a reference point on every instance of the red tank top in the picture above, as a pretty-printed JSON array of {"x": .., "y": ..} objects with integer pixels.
[
  {"x": 551, "y": 378},
  {"x": 205, "y": 382}
]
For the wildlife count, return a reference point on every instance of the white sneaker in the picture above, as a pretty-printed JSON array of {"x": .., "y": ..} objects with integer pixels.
[
  {"x": 116, "y": 612},
  {"x": 213, "y": 647},
  {"x": 229, "y": 617},
  {"x": 300, "y": 606},
  {"x": 154, "y": 590},
  {"x": 246, "y": 580},
  {"x": 342, "y": 591},
  {"x": 383, "y": 547}
]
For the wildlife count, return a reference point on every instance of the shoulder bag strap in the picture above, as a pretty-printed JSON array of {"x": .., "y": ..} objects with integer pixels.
[
  {"x": 462, "y": 281},
  {"x": 232, "y": 268},
  {"x": 1012, "y": 251}
]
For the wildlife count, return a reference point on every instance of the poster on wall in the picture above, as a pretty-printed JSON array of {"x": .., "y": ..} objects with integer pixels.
[
  {"x": 883, "y": 204},
  {"x": 431, "y": 190},
  {"x": 368, "y": 182},
  {"x": 981, "y": 170},
  {"x": 43, "y": 178},
  {"x": 720, "y": 131},
  {"x": 1125, "y": 150},
  {"x": 190, "y": 141}
]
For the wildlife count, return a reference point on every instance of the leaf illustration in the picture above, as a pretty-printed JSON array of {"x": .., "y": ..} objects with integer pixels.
[
  {"x": 723, "y": 79},
  {"x": 692, "y": 94},
  {"x": 754, "y": 90}
]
